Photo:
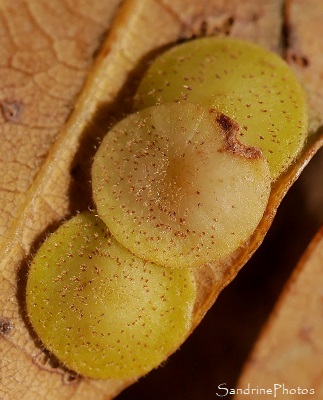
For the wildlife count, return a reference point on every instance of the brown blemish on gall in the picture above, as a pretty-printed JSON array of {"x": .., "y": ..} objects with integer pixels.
[
  {"x": 231, "y": 132},
  {"x": 227, "y": 124}
]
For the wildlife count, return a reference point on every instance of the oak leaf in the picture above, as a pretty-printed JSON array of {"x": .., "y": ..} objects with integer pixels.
[{"x": 46, "y": 175}]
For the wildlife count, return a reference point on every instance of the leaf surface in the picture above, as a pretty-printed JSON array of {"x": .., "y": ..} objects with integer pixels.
[
  {"x": 289, "y": 350},
  {"x": 45, "y": 160}
]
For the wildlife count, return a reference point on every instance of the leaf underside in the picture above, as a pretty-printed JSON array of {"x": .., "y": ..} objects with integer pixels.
[{"x": 46, "y": 164}]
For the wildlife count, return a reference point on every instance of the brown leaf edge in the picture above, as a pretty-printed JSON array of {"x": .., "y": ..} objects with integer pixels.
[{"x": 288, "y": 350}]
